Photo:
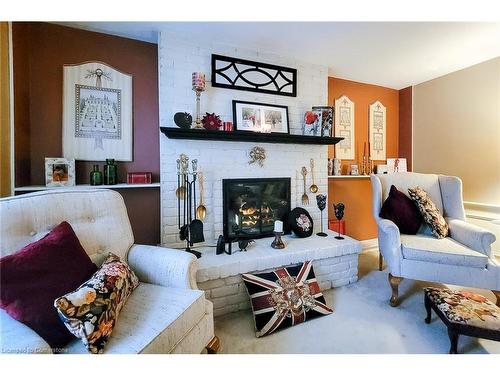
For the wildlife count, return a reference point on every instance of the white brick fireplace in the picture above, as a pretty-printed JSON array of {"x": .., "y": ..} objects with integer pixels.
[
  {"x": 335, "y": 262},
  {"x": 179, "y": 56}
]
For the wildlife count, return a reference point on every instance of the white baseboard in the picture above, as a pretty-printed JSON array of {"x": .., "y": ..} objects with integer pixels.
[
  {"x": 481, "y": 211},
  {"x": 369, "y": 244}
]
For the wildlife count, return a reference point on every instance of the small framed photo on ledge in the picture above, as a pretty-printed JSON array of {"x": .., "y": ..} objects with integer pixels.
[
  {"x": 59, "y": 172},
  {"x": 395, "y": 165},
  {"x": 326, "y": 119},
  {"x": 260, "y": 117}
]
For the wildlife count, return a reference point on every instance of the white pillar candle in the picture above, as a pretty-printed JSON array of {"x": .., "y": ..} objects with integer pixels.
[{"x": 278, "y": 226}]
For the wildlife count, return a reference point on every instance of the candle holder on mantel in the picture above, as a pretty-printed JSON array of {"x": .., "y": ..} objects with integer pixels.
[
  {"x": 364, "y": 164},
  {"x": 278, "y": 232},
  {"x": 198, "y": 83},
  {"x": 321, "y": 202},
  {"x": 278, "y": 242}
]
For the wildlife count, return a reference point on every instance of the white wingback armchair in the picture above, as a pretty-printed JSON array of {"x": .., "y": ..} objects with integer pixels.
[
  {"x": 464, "y": 258},
  {"x": 165, "y": 314}
]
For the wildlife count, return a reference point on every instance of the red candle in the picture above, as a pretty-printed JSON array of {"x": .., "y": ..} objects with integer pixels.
[
  {"x": 369, "y": 149},
  {"x": 198, "y": 81}
]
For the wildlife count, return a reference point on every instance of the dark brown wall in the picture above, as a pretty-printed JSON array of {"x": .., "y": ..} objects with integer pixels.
[
  {"x": 21, "y": 46},
  {"x": 40, "y": 51},
  {"x": 405, "y": 125}
]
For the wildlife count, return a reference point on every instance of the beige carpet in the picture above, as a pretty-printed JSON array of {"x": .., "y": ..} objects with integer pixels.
[{"x": 363, "y": 322}]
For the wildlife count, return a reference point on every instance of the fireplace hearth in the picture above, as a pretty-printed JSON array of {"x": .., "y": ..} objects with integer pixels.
[{"x": 252, "y": 205}]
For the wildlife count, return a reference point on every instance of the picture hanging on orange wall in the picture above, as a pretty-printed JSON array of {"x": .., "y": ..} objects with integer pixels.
[
  {"x": 377, "y": 129},
  {"x": 344, "y": 127}
]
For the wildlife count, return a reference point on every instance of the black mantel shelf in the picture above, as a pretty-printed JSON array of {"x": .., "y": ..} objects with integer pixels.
[{"x": 244, "y": 136}]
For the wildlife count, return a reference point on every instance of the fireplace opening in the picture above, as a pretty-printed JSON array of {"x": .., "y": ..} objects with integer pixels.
[{"x": 252, "y": 205}]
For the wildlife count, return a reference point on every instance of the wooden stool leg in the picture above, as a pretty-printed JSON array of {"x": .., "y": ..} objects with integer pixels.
[
  {"x": 213, "y": 346},
  {"x": 394, "y": 281},
  {"x": 453, "y": 335},
  {"x": 427, "y": 303},
  {"x": 497, "y": 294},
  {"x": 380, "y": 261}
]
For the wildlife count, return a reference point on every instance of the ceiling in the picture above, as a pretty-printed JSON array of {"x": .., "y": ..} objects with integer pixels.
[{"x": 390, "y": 54}]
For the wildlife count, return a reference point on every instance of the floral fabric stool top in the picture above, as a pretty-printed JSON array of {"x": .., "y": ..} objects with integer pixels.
[{"x": 464, "y": 313}]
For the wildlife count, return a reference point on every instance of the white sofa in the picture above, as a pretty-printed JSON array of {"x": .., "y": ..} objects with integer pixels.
[
  {"x": 165, "y": 314},
  {"x": 464, "y": 258}
]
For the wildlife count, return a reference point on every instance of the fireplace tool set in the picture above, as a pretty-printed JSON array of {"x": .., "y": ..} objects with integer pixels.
[{"x": 190, "y": 227}]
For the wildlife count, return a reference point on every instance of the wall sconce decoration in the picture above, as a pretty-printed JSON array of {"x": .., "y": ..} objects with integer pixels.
[
  {"x": 239, "y": 74},
  {"x": 257, "y": 155}
]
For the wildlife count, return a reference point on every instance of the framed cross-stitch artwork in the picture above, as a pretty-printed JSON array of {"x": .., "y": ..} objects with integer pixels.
[
  {"x": 377, "y": 132},
  {"x": 344, "y": 127},
  {"x": 97, "y": 112}
]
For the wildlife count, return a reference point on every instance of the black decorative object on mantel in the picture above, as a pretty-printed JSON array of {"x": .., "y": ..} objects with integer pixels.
[
  {"x": 321, "y": 202},
  {"x": 183, "y": 120},
  {"x": 247, "y": 75},
  {"x": 339, "y": 214},
  {"x": 243, "y": 243}
]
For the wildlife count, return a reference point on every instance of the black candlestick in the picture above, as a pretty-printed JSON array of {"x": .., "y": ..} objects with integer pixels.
[
  {"x": 339, "y": 214},
  {"x": 321, "y": 201}
]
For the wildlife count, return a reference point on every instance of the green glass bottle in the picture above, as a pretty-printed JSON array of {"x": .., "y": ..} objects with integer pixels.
[
  {"x": 110, "y": 172},
  {"x": 96, "y": 176}
]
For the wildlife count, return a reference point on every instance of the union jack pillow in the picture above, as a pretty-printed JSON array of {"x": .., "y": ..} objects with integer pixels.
[{"x": 285, "y": 297}]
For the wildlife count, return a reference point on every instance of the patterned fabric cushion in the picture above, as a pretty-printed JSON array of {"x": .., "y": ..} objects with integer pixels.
[
  {"x": 466, "y": 308},
  {"x": 284, "y": 297},
  {"x": 91, "y": 311},
  {"x": 429, "y": 211}
]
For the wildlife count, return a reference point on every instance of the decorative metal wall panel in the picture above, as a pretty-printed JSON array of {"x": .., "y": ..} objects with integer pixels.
[{"x": 239, "y": 74}]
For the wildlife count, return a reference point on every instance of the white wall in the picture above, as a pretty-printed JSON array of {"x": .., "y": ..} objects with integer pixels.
[
  {"x": 179, "y": 56},
  {"x": 456, "y": 129}
]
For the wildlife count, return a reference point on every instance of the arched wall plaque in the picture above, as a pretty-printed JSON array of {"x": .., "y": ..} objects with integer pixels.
[
  {"x": 344, "y": 127},
  {"x": 97, "y": 112},
  {"x": 239, "y": 74},
  {"x": 378, "y": 131}
]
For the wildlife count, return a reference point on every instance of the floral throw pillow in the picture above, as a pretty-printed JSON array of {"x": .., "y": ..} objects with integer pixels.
[
  {"x": 91, "y": 311},
  {"x": 429, "y": 211}
]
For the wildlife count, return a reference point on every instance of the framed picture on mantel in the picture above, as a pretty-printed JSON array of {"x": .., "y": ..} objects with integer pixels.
[{"x": 260, "y": 117}]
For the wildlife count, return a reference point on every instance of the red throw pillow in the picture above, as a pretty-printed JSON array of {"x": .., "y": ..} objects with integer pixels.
[
  {"x": 32, "y": 278},
  {"x": 401, "y": 210}
]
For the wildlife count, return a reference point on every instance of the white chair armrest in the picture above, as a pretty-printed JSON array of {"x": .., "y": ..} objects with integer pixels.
[
  {"x": 163, "y": 266},
  {"x": 389, "y": 242},
  {"x": 472, "y": 236},
  {"x": 18, "y": 338}
]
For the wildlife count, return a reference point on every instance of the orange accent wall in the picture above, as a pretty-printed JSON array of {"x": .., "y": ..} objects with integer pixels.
[{"x": 356, "y": 193}]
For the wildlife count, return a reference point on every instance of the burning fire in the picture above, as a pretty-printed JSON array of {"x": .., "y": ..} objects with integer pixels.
[{"x": 250, "y": 216}]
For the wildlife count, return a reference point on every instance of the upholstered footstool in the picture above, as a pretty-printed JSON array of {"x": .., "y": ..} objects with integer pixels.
[{"x": 464, "y": 313}]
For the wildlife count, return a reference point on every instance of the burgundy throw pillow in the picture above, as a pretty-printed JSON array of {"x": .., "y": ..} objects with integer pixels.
[
  {"x": 32, "y": 278},
  {"x": 401, "y": 210}
]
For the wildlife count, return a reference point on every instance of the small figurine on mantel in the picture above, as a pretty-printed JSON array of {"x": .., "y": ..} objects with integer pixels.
[{"x": 337, "y": 167}]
